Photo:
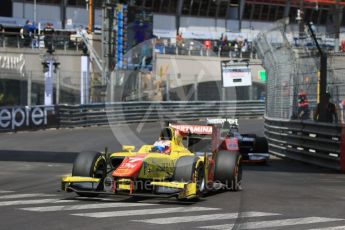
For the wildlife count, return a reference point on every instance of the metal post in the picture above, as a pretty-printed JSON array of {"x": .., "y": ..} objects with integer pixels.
[
  {"x": 57, "y": 95},
  {"x": 167, "y": 87},
  {"x": 323, "y": 65},
  {"x": 300, "y": 22},
  {"x": 103, "y": 38},
  {"x": 223, "y": 94},
  {"x": 250, "y": 92},
  {"x": 323, "y": 76},
  {"x": 35, "y": 11},
  {"x": 196, "y": 88},
  {"x": 287, "y": 9},
  {"x": 63, "y": 13},
  {"x": 338, "y": 18},
  {"x": 240, "y": 16},
  {"x": 112, "y": 86},
  {"x": 29, "y": 89},
  {"x": 139, "y": 86},
  {"x": 178, "y": 15},
  {"x": 91, "y": 22}
]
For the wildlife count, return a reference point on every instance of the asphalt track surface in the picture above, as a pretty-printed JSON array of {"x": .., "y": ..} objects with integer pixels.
[{"x": 281, "y": 195}]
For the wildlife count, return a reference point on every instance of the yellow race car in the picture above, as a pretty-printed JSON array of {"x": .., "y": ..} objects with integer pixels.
[{"x": 166, "y": 168}]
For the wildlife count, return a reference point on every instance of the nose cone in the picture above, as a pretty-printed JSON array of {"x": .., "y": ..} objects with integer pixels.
[{"x": 129, "y": 167}]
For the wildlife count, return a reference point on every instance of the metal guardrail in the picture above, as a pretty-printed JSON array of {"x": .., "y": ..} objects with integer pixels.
[
  {"x": 60, "y": 41},
  {"x": 131, "y": 112},
  {"x": 321, "y": 144}
]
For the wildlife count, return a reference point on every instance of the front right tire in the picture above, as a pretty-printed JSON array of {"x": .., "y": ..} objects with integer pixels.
[{"x": 190, "y": 169}]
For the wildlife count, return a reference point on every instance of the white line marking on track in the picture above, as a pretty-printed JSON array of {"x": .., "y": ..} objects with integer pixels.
[
  {"x": 330, "y": 228},
  {"x": 5, "y": 191},
  {"x": 219, "y": 227},
  {"x": 186, "y": 219},
  {"x": 25, "y": 202},
  {"x": 19, "y": 196},
  {"x": 275, "y": 223},
  {"x": 144, "y": 212},
  {"x": 84, "y": 206}
]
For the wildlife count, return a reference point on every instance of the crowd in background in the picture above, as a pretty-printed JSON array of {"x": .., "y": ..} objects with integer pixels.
[
  {"x": 327, "y": 111},
  {"x": 239, "y": 47},
  {"x": 41, "y": 35}
]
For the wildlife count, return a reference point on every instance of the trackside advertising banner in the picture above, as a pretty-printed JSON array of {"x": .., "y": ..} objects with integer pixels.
[{"x": 27, "y": 118}]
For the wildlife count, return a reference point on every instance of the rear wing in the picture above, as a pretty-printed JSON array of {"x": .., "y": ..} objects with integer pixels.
[
  {"x": 211, "y": 131},
  {"x": 221, "y": 121},
  {"x": 193, "y": 129}
]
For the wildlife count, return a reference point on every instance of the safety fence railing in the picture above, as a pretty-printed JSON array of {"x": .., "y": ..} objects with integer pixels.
[
  {"x": 74, "y": 41},
  {"x": 321, "y": 144},
  {"x": 137, "y": 112},
  {"x": 59, "y": 41}
]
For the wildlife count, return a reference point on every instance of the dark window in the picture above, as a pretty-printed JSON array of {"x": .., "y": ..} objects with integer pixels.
[
  {"x": 149, "y": 3},
  {"x": 307, "y": 15},
  {"x": 323, "y": 18},
  {"x": 173, "y": 6},
  {"x": 195, "y": 7},
  {"x": 204, "y": 7},
  {"x": 272, "y": 13},
  {"x": 165, "y": 6},
  {"x": 314, "y": 16},
  {"x": 6, "y": 8},
  {"x": 257, "y": 10},
  {"x": 45, "y": 1},
  {"x": 222, "y": 9},
  {"x": 76, "y": 3},
  {"x": 137, "y": 2},
  {"x": 280, "y": 12},
  {"x": 212, "y": 10},
  {"x": 247, "y": 11},
  {"x": 293, "y": 14},
  {"x": 156, "y": 5},
  {"x": 264, "y": 12},
  {"x": 185, "y": 7}
]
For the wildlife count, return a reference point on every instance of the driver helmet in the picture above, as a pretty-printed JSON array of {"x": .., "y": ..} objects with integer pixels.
[{"x": 161, "y": 146}]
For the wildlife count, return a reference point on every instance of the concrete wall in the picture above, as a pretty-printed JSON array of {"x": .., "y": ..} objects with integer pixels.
[
  {"x": 69, "y": 69},
  {"x": 184, "y": 70}
]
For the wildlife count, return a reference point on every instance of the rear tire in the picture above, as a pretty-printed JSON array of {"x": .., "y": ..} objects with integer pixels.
[
  {"x": 228, "y": 169},
  {"x": 89, "y": 164}
]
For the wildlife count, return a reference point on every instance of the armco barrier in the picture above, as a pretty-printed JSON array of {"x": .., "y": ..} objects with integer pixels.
[
  {"x": 130, "y": 112},
  {"x": 307, "y": 141}
]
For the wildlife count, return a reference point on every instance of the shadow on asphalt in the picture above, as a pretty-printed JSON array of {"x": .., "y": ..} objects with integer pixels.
[
  {"x": 133, "y": 199},
  {"x": 37, "y": 156},
  {"x": 287, "y": 165}
]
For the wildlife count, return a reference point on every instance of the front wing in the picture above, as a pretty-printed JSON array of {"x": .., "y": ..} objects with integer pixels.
[{"x": 89, "y": 185}]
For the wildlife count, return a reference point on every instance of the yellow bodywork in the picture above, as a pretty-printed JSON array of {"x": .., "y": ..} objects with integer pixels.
[
  {"x": 188, "y": 190},
  {"x": 157, "y": 167},
  {"x": 69, "y": 179}
]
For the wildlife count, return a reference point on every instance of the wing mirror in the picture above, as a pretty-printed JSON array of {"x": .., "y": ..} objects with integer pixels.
[{"x": 128, "y": 148}]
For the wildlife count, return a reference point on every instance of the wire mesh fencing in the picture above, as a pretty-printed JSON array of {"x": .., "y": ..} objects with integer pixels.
[{"x": 292, "y": 64}]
